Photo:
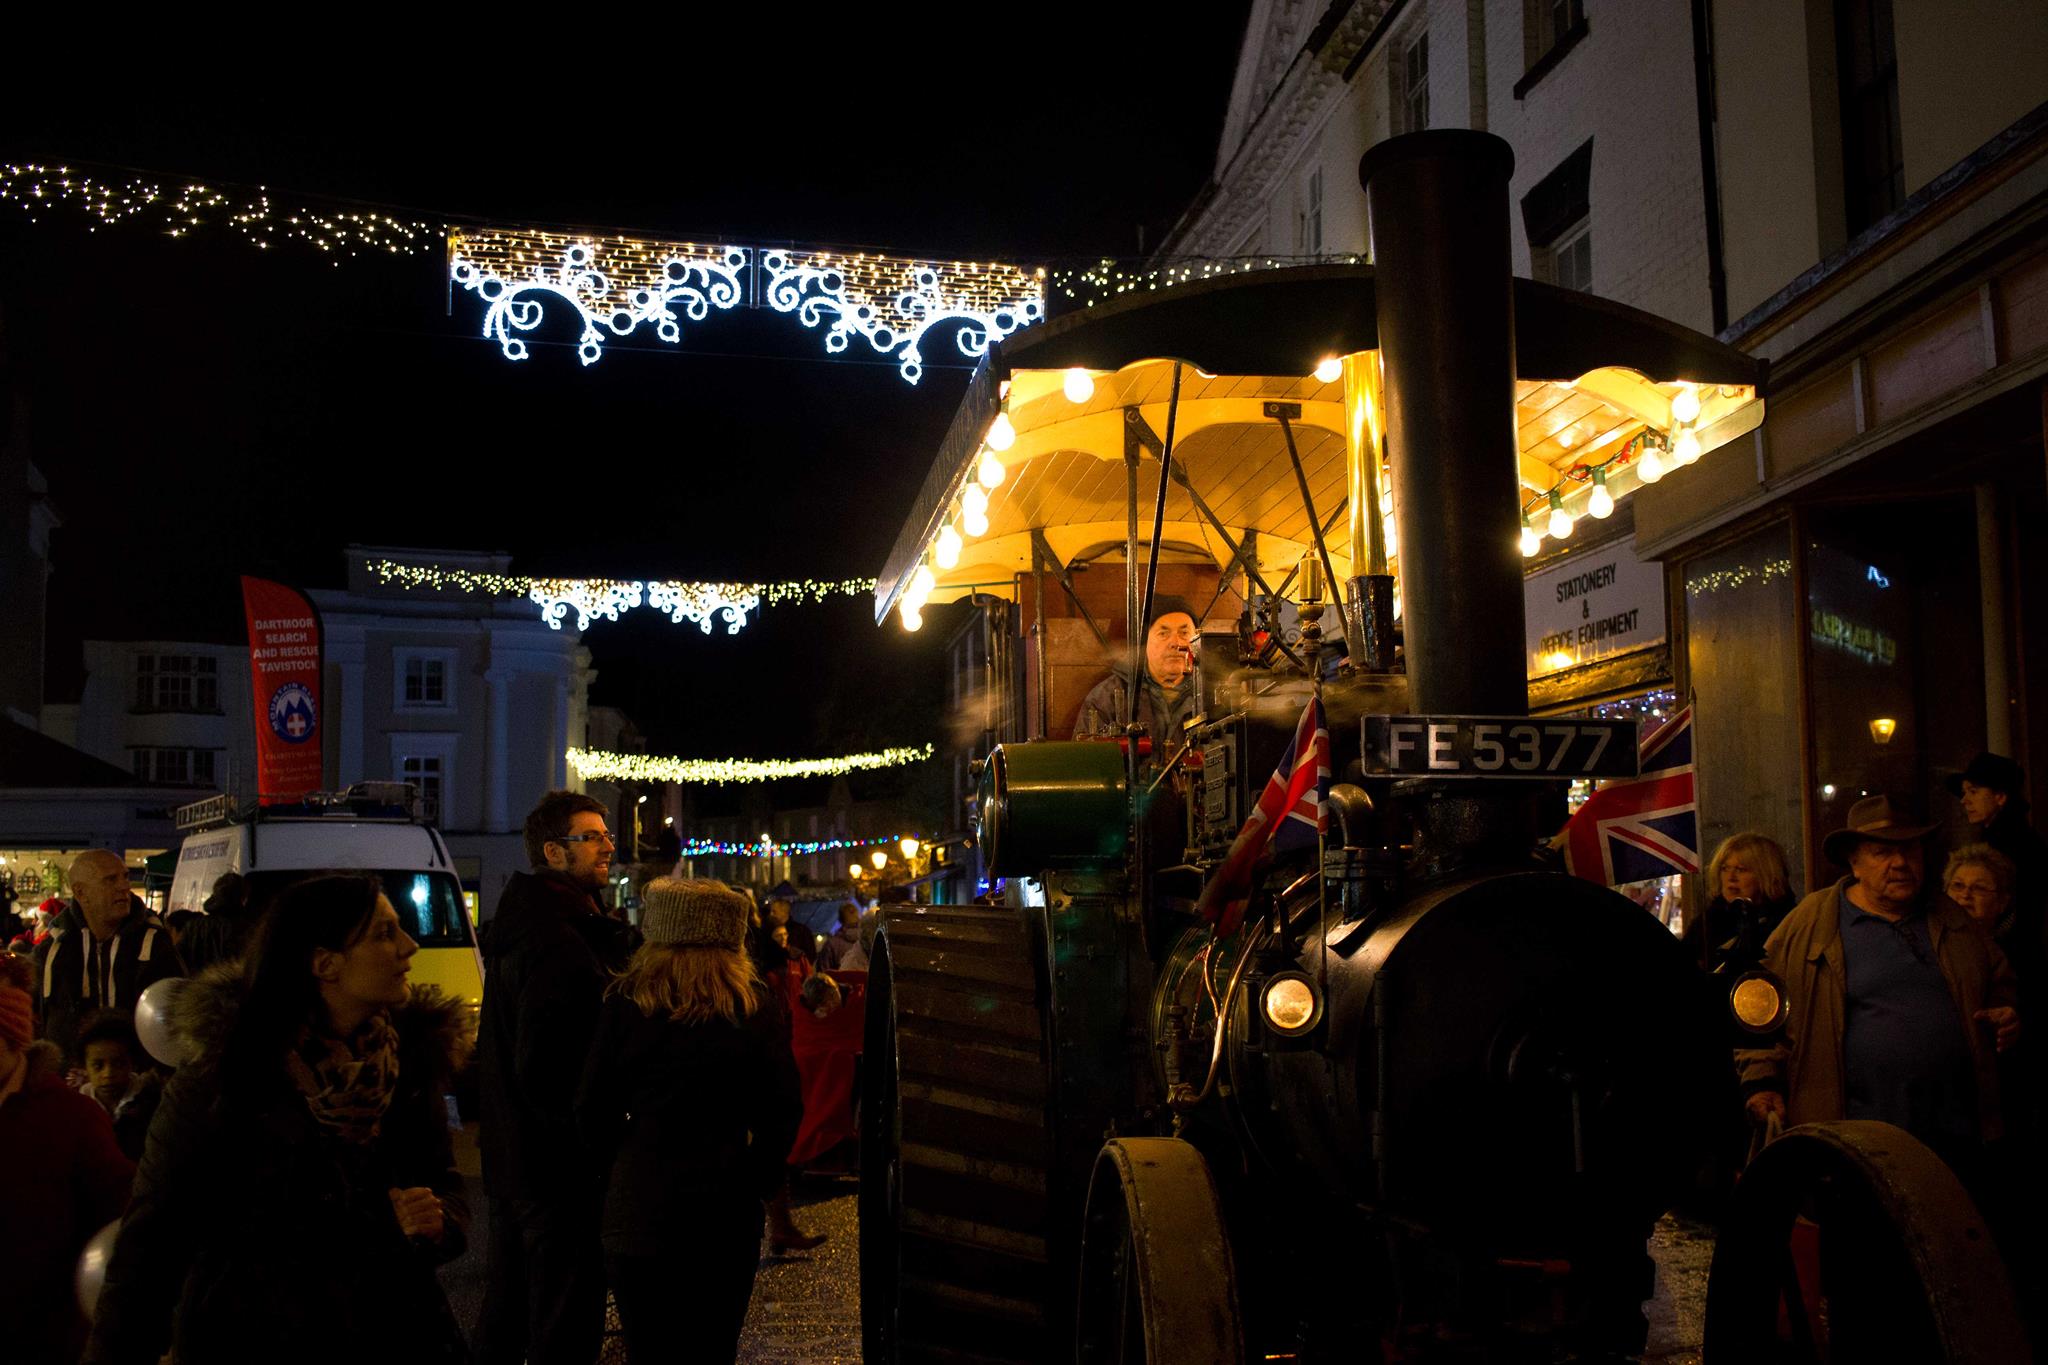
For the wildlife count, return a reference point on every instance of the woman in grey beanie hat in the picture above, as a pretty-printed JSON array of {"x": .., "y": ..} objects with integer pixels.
[{"x": 691, "y": 1098}]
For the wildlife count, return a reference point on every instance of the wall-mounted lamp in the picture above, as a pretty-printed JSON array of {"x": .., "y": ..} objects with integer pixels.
[{"x": 1882, "y": 729}]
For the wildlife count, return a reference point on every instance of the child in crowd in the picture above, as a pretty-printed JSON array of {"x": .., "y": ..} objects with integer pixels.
[{"x": 119, "y": 1077}]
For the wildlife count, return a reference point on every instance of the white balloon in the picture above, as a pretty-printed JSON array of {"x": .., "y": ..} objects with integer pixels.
[
  {"x": 92, "y": 1266},
  {"x": 154, "y": 1013}
]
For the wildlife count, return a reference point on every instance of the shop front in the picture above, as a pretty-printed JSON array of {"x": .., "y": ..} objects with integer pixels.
[{"x": 1598, "y": 647}]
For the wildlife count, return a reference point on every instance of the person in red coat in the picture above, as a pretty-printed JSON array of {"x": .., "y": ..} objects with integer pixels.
[{"x": 67, "y": 1180}]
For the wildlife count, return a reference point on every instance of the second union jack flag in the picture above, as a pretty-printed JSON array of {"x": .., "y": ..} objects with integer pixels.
[
  {"x": 1647, "y": 826},
  {"x": 1293, "y": 811}
]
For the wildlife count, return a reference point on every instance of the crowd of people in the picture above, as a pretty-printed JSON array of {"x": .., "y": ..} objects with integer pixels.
[{"x": 645, "y": 1090}]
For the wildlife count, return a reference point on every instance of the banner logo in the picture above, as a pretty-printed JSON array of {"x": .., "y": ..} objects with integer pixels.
[{"x": 291, "y": 714}]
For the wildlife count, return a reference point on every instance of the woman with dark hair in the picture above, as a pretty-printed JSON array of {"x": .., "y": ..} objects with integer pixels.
[
  {"x": 690, "y": 1097},
  {"x": 298, "y": 1187}
]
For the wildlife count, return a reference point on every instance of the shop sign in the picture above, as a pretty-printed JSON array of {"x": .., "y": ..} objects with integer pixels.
[{"x": 1592, "y": 606}]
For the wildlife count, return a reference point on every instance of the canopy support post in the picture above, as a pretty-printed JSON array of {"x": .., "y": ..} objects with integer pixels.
[{"x": 1040, "y": 545}]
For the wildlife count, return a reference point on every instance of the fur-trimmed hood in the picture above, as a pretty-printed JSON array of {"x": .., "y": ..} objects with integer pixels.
[{"x": 435, "y": 1030}]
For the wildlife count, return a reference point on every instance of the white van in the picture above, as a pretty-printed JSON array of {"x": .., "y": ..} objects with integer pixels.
[{"x": 372, "y": 827}]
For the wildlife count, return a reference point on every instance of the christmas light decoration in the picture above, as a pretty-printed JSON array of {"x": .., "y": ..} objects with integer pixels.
[
  {"x": 617, "y": 283},
  {"x": 892, "y": 302},
  {"x": 596, "y": 765},
  {"x": 946, "y": 549},
  {"x": 1001, "y": 435},
  {"x": 1685, "y": 449},
  {"x": 1531, "y": 541},
  {"x": 1329, "y": 370},
  {"x": 989, "y": 472},
  {"x": 1108, "y": 277},
  {"x": 701, "y": 604},
  {"x": 1601, "y": 503},
  {"x": 1685, "y": 405},
  {"x": 1078, "y": 385},
  {"x": 1560, "y": 520},
  {"x": 793, "y": 848},
  {"x": 179, "y": 209}
]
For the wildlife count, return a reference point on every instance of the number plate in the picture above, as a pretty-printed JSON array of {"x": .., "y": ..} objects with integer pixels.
[{"x": 1498, "y": 746}]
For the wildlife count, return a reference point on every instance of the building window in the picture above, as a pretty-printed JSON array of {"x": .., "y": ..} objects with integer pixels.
[
  {"x": 1308, "y": 221},
  {"x": 1873, "y": 158},
  {"x": 177, "y": 682},
  {"x": 1557, "y": 215},
  {"x": 424, "y": 678},
  {"x": 1548, "y": 26},
  {"x": 182, "y": 767},
  {"x": 1411, "y": 84},
  {"x": 424, "y": 772},
  {"x": 427, "y": 761}
]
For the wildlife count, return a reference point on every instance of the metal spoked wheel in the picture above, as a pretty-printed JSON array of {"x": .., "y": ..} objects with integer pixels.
[
  {"x": 1158, "y": 1286},
  {"x": 1853, "y": 1241},
  {"x": 954, "y": 1143}
]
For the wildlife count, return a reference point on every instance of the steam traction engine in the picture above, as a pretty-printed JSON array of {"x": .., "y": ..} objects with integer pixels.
[{"x": 1429, "y": 1099}]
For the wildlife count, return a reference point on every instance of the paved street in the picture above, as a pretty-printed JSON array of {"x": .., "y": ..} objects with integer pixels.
[{"x": 806, "y": 1308}]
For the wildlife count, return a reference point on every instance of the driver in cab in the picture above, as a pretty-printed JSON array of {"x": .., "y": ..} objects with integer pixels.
[{"x": 1169, "y": 695}]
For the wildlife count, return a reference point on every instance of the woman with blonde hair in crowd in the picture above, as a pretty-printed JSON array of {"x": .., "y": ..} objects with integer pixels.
[
  {"x": 691, "y": 1099},
  {"x": 1752, "y": 892}
]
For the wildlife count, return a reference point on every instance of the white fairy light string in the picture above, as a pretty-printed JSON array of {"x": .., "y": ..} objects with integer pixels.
[
  {"x": 701, "y": 604},
  {"x": 601, "y": 766}
]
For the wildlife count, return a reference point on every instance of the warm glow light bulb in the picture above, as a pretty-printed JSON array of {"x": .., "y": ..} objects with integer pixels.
[
  {"x": 974, "y": 500},
  {"x": 912, "y": 618},
  {"x": 1649, "y": 467},
  {"x": 854, "y": 870},
  {"x": 921, "y": 584},
  {"x": 1601, "y": 504},
  {"x": 879, "y": 859},
  {"x": 1329, "y": 370},
  {"x": 909, "y": 846},
  {"x": 1079, "y": 385},
  {"x": 1001, "y": 435},
  {"x": 946, "y": 550},
  {"x": 1531, "y": 541},
  {"x": 974, "y": 523},
  {"x": 1686, "y": 448},
  {"x": 1685, "y": 405},
  {"x": 989, "y": 472},
  {"x": 1560, "y": 522}
]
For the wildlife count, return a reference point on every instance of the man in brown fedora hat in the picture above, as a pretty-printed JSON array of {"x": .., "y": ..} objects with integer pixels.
[{"x": 1898, "y": 1004}]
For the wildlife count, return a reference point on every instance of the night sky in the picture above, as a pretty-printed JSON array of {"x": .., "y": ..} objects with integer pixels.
[{"x": 204, "y": 409}]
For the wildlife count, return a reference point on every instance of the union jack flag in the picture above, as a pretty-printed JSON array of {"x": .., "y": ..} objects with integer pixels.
[
  {"x": 1647, "y": 826},
  {"x": 1293, "y": 812}
]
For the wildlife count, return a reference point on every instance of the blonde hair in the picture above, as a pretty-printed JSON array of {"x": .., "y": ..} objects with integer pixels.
[
  {"x": 690, "y": 983},
  {"x": 1985, "y": 856},
  {"x": 1766, "y": 859}
]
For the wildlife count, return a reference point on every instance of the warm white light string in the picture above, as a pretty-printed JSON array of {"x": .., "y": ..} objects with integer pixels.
[
  {"x": 597, "y": 765},
  {"x": 729, "y": 604}
]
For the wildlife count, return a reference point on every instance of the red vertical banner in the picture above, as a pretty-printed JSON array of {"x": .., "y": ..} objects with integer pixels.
[{"x": 284, "y": 684}]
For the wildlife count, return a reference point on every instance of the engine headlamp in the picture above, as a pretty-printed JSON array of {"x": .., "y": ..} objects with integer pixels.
[
  {"x": 1290, "y": 1004},
  {"x": 1757, "y": 1000}
]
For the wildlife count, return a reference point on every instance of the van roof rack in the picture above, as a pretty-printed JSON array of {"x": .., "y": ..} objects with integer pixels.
[{"x": 396, "y": 801}]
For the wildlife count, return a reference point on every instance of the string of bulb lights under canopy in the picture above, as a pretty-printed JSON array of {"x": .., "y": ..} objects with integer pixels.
[
  {"x": 1651, "y": 454},
  {"x": 729, "y": 604},
  {"x": 599, "y": 765}
]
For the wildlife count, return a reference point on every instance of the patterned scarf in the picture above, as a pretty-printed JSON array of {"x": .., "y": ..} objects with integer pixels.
[{"x": 348, "y": 1082}]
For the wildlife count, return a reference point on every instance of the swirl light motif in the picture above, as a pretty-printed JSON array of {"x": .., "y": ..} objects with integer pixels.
[
  {"x": 729, "y": 603},
  {"x": 614, "y": 284},
  {"x": 590, "y": 597},
  {"x": 893, "y": 303}
]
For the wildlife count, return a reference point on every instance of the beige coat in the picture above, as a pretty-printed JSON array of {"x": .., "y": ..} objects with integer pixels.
[{"x": 1806, "y": 953}]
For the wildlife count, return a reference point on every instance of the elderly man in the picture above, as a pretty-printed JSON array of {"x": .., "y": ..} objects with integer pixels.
[
  {"x": 1169, "y": 695},
  {"x": 1899, "y": 1005},
  {"x": 104, "y": 951}
]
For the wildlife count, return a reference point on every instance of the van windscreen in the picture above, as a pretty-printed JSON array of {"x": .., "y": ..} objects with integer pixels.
[{"x": 429, "y": 904}]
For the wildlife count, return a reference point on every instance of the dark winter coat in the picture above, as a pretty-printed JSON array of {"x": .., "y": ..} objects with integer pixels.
[
  {"x": 684, "y": 1116},
  {"x": 1718, "y": 923},
  {"x": 142, "y": 956},
  {"x": 547, "y": 958},
  {"x": 65, "y": 1181},
  {"x": 1106, "y": 708},
  {"x": 255, "y": 1233}
]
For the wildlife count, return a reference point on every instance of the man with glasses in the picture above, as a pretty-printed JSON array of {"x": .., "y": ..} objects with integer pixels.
[
  {"x": 1899, "y": 1005},
  {"x": 549, "y": 951}
]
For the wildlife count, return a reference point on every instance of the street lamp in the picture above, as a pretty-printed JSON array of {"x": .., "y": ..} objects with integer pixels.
[
  {"x": 879, "y": 859},
  {"x": 854, "y": 870},
  {"x": 909, "y": 846}
]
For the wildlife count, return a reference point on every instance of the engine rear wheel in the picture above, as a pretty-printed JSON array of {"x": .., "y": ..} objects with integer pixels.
[
  {"x": 1853, "y": 1241},
  {"x": 954, "y": 1142},
  {"x": 1158, "y": 1285}
]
